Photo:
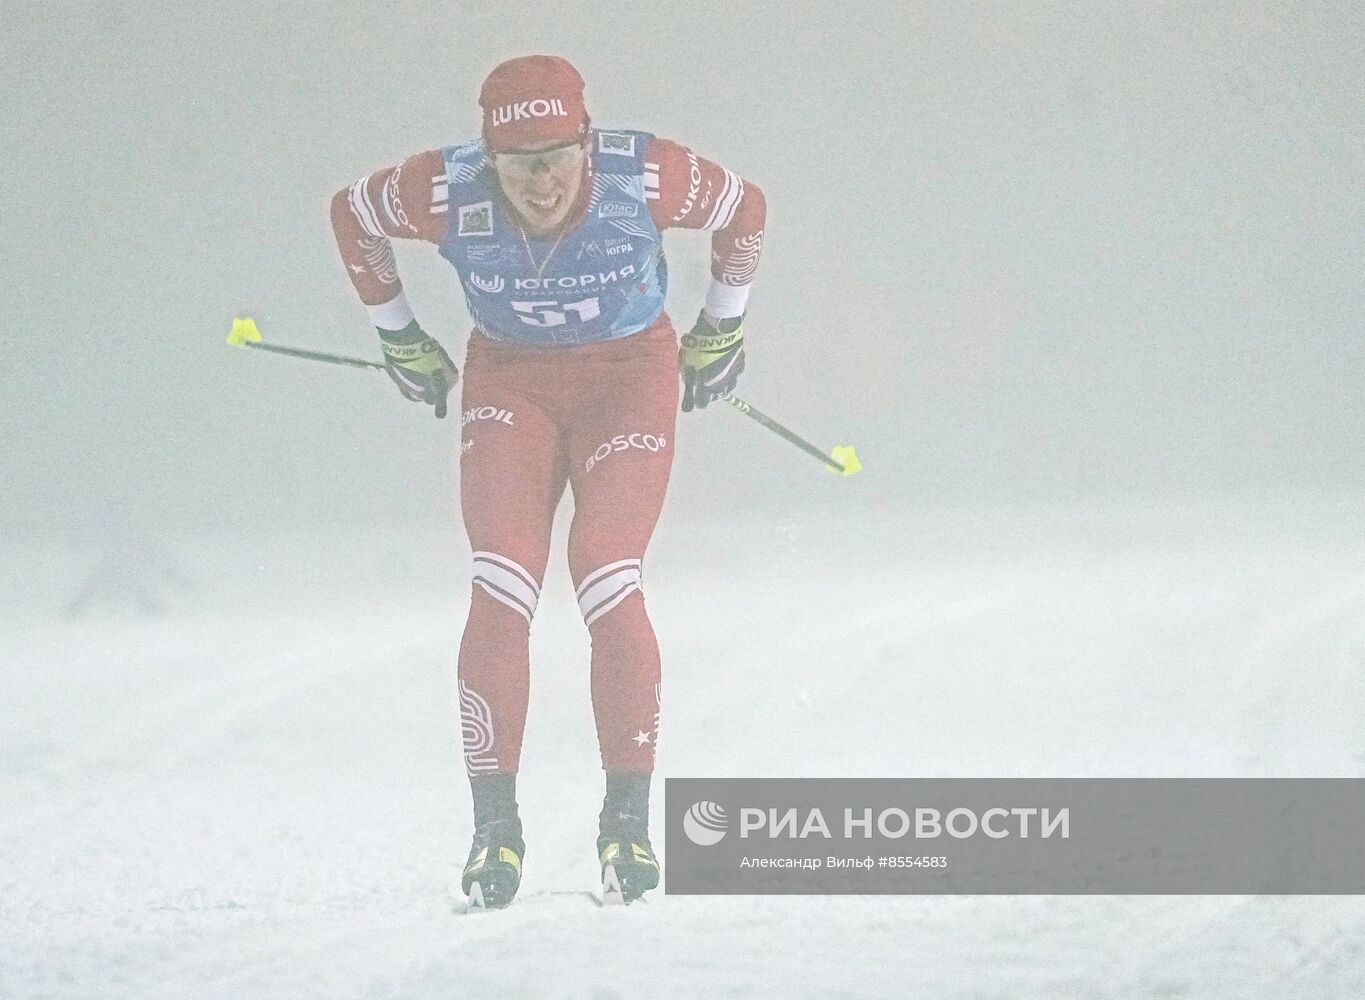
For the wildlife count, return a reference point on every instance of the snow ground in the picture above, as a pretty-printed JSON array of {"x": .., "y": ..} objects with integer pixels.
[{"x": 259, "y": 794}]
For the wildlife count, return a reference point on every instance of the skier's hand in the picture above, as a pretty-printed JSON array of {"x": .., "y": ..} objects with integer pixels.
[
  {"x": 711, "y": 359},
  {"x": 419, "y": 366}
]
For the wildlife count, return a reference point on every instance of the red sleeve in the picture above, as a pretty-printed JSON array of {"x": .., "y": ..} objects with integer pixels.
[
  {"x": 688, "y": 191},
  {"x": 407, "y": 201}
]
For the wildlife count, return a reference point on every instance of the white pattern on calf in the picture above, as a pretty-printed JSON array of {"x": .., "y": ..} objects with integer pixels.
[{"x": 476, "y": 731}]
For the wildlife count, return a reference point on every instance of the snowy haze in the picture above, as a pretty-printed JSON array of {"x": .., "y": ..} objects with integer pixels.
[
  {"x": 260, "y": 794},
  {"x": 1083, "y": 284}
]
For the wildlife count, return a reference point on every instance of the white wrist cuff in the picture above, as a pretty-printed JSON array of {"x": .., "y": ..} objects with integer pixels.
[
  {"x": 393, "y": 314},
  {"x": 726, "y": 301}
]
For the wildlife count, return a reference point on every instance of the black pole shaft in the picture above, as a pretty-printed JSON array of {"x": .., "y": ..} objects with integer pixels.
[
  {"x": 298, "y": 352},
  {"x": 782, "y": 432}
]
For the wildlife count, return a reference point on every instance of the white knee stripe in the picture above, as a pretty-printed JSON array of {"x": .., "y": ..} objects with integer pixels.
[
  {"x": 606, "y": 588},
  {"x": 507, "y": 582},
  {"x": 510, "y": 565},
  {"x": 605, "y": 606},
  {"x": 602, "y": 571}
]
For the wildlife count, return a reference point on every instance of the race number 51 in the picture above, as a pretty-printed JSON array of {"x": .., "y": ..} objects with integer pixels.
[{"x": 555, "y": 314}]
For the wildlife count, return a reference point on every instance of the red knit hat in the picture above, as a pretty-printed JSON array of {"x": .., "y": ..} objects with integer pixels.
[{"x": 530, "y": 99}]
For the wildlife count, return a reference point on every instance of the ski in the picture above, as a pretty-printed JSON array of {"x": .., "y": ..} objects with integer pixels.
[
  {"x": 611, "y": 888},
  {"x": 465, "y": 904}
]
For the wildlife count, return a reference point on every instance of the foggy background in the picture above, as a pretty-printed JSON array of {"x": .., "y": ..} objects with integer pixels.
[
  {"x": 1083, "y": 283},
  {"x": 1034, "y": 251}
]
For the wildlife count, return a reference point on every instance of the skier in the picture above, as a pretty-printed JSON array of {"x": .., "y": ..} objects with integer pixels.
[{"x": 571, "y": 377}]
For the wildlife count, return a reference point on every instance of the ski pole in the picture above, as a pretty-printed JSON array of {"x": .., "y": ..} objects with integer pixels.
[
  {"x": 245, "y": 334},
  {"x": 842, "y": 459}
]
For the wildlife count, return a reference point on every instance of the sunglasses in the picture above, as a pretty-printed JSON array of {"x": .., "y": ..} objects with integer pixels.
[{"x": 526, "y": 164}]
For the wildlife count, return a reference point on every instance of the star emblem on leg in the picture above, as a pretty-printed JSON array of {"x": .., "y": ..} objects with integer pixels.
[{"x": 641, "y": 737}]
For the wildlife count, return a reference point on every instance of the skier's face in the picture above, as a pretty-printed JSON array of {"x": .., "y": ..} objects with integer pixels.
[{"x": 542, "y": 181}]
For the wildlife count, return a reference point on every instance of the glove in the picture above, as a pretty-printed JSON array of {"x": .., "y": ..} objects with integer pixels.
[
  {"x": 419, "y": 366},
  {"x": 710, "y": 360}
]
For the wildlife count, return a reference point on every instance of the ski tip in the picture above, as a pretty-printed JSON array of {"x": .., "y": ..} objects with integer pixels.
[
  {"x": 474, "y": 902},
  {"x": 848, "y": 458},
  {"x": 611, "y": 888},
  {"x": 244, "y": 331}
]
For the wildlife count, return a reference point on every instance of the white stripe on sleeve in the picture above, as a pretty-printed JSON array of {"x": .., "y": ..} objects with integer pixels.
[
  {"x": 393, "y": 314},
  {"x": 725, "y": 301},
  {"x": 363, "y": 210},
  {"x": 724, "y": 209}
]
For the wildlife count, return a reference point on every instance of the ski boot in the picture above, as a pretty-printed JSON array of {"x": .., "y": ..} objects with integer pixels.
[
  {"x": 492, "y": 874},
  {"x": 629, "y": 867}
]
